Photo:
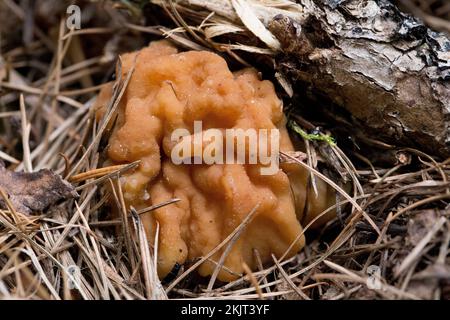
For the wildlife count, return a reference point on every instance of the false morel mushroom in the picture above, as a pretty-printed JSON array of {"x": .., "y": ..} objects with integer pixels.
[{"x": 170, "y": 90}]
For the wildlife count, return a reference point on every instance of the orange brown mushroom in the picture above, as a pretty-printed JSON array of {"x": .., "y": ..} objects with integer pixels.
[{"x": 170, "y": 90}]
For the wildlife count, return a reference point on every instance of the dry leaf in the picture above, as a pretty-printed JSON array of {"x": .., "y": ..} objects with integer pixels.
[
  {"x": 421, "y": 224},
  {"x": 30, "y": 192}
]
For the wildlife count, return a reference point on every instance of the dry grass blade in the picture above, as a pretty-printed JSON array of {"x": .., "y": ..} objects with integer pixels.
[
  {"x": 117, "y": 95},
  {"x": 227, "y": 250},
  {"x": 338, "y": 189},
  {"x": 251, "y": 21},
  {"x": 154, "y": 289},
  {"x": 252, "y": 279},
  {"x": 8, "y": 158},
  {"x": 289, "y": 280},
  {"x": 351, "y": 276},
  {"x": 238, "y": 229},
  {"x": 108, "y": 175},
  {"x": 157, "y": 206},
  {"x": 26, "y": 128},
  {"x": 419, "y": 249},
  {"x": 95, "y": 173}
]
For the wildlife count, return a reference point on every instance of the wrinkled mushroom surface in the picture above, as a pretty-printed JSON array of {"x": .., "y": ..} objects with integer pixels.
[{"x": 171, "y": 90}]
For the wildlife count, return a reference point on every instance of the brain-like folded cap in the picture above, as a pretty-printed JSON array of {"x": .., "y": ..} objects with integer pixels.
[{"x": 171, "y": 90}]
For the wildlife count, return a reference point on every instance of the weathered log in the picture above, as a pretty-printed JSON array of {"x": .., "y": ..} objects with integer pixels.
[{"x": 385, "y": 68}]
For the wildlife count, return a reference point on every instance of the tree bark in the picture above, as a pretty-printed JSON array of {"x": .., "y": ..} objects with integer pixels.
[{"x": 387, "y": 69}]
